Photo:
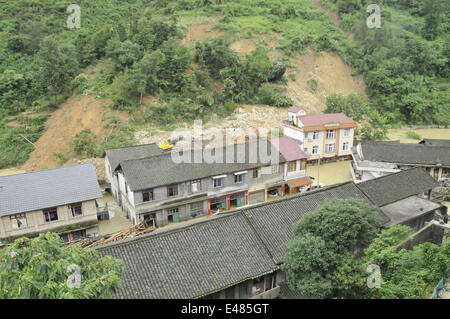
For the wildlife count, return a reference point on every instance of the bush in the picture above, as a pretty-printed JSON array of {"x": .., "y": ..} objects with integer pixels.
[
  {"x": 273, "y": 96},
  {"x": 84, "y": 143},
  {"x": 313, "y": 85}
]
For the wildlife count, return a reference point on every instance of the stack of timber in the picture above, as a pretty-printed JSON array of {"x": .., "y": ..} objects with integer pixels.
[{"x": 133, "y": 231}]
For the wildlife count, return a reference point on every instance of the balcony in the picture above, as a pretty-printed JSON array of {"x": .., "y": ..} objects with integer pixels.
[
  {"x": 294, "y": 175},
  {"x": 269, "y": 294}
]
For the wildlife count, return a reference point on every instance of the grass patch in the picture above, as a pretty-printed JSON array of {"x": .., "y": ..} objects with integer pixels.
[{"x": 413, "y": 135}]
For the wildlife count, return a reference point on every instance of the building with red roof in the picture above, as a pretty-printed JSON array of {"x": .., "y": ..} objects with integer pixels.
[{"x": 322, "y": 136}]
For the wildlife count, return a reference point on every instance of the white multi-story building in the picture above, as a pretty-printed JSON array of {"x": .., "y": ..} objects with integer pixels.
[{"x": 322, "y": 136}]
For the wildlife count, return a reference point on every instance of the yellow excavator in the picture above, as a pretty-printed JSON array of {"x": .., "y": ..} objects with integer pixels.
[{"x": 166, "y": 145}]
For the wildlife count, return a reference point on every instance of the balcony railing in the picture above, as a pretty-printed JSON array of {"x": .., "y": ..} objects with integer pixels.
[
  {"x": 269, "y": 294},
  {"x": 294, "y": 175}
]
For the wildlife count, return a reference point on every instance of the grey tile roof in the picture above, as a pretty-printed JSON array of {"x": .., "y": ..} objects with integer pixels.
[
  {"x": 405, "y": 153},
  {"x": 201, "y": 258},
  {"x": 46, "y": 189},
  {"x": 163, "y": 170},
  {"x": 407, "y": 209},
  {"x": 193, "y": 261},
  {"x": 394, "y": 187},
  {"x": 120, "y": 154},
  {"x": 274, "y": 221}
]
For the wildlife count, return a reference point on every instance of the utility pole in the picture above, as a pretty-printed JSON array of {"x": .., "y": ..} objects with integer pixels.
[{"x": 318, "y": 173}]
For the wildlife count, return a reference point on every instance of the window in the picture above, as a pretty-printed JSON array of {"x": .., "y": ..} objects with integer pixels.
[
  {"x": 331, "y": 134},
  {"x": 18, "y": 221},
  {"x": 150, "y": 219},
  {"x": 315, "y": 149},
  {"x": 306, "y": 150},
  {"x": 292, "y": 166},
  {"x": 77, "y": 210},
  {"x": 197, "y": 209},
  {"x": 218, "y": 182},
  {"x": 172, "y": 190},
  {"x": 147, "y": 196},
  {"x": 239, "y": 178},
  {"x": 347, "y": 132},
  {"x": 173, "y": 215},
  {"x": 50, "y": 215},
  {"x": 196, "y": 186},
  {"x": 316, "y": 135},
  {"x": 345, "y": 146},
  {"x": 256, "y": 173},
  {"x": 218, "y": 203},
  {"x": 306, "y": 135},
  {"x": 329, "y": 148}
]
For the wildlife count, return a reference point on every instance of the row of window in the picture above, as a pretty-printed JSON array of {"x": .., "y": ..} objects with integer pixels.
[
  {"x": 331, "y": 134},
  {"x": 173, "y": 214},
  {"x": 196, "y": 185},
  {"x": 19, "y": 221},
  {"x": 329, "y": 148}
]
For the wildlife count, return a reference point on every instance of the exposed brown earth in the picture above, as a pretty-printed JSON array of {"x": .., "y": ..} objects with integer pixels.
[
  {"x": 74, "y": 115},
  {"x": 332, "y": 75},
  {"x": 200, "y": 31},
  {"x": 243, "y": 47}
]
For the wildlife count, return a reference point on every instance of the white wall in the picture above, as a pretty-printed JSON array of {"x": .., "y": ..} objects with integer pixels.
[{"x": 293, "y": 133}]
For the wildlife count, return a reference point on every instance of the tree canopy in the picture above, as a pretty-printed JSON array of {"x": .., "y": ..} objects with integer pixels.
[
  {"x": 406, "y": 273},
  {"x": 321, "y": 261},
  {"x": 41, "y": 268}
]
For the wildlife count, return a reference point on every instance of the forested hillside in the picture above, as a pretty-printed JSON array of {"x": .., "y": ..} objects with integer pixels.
[{"x": 405, "y": 63}]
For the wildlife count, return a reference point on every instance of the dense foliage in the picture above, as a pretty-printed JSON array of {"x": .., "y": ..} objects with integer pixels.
[
  {"x": 41, "y": 268},
  {"x": 373, "y": 125},
  {"x": 335, "y": 244},
  {"x": 321, "y": 261},
  {"x": 405, "y": 62},
  {"x": 405, "y": 273}
]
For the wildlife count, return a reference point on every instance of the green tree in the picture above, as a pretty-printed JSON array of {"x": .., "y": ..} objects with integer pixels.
[
  {"x": 41, "y": 268},
  {"x": 13, "y": 89},
  {"x": 84, "y": 143},
  {"x": 353, "y": 105},
  {"x": 349, "y": 224},
  {"x": 124, "y": 54},
  {"x": 435, "y": 12},
  {"x": 321, "y": 261},
  {"x": 258, "y": 66},
  {"x": 57, "y": 64}
]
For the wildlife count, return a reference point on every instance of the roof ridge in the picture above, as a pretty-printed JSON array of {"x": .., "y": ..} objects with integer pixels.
[
  {"x": 130, "y": 146},
  {"x": 403, "y": 171},
  {"x": 49, "y": 169},
  {"x": 202, "y": 149},
  {"x": 235, "y": 212}
]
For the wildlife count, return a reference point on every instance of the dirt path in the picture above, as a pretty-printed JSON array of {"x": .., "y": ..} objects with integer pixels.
[{"x": 74, "y": 115}]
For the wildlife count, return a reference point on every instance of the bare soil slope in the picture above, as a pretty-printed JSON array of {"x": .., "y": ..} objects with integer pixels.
[
  {"x": 76, "y": 114},
  {"x": 200, "y": 31},
  {"x": 331, "y": 74}
]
